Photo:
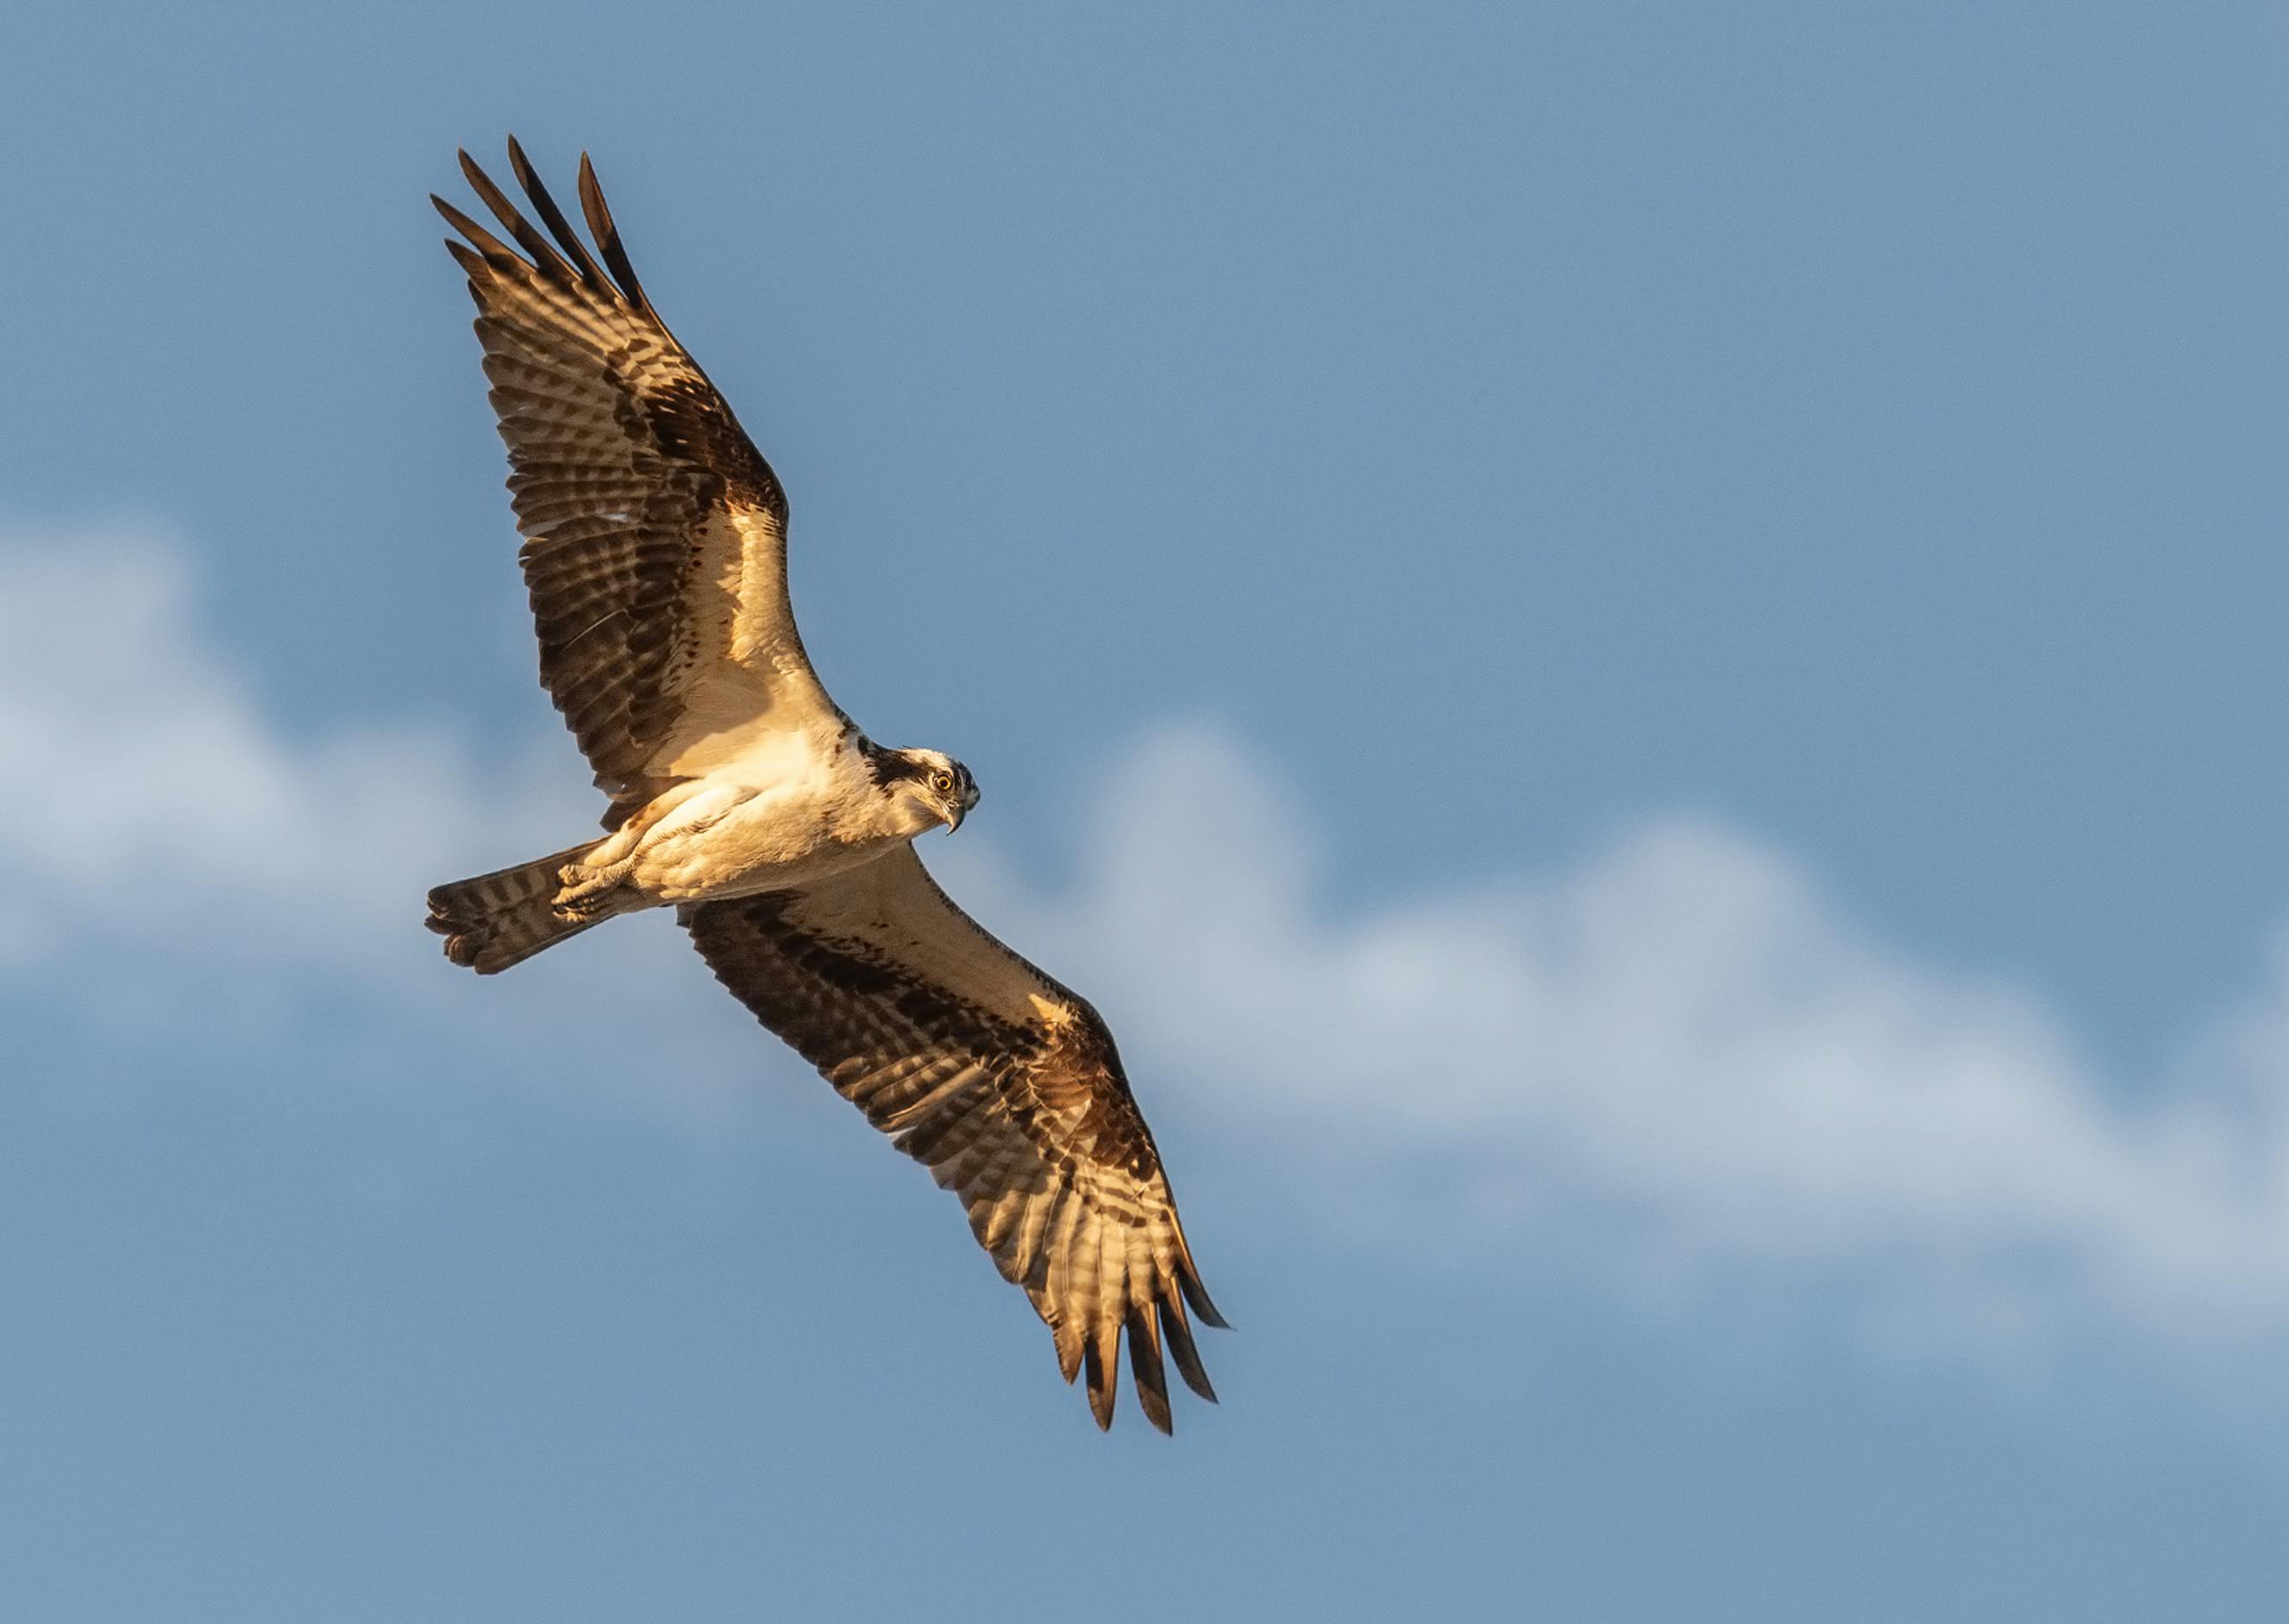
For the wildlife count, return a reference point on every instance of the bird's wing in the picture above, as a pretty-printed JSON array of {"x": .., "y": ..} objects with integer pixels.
[
  {"x": 999, "y": 1081},
  {"x": 655, "y": 546}
]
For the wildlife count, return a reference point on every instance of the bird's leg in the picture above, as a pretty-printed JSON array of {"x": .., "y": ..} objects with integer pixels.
[{"x": 587, "y": 889}]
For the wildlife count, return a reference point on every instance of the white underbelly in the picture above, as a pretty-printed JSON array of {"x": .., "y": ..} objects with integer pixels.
[{"x": 729, "y": 841}]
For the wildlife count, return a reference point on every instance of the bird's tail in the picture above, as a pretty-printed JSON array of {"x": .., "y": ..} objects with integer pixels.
[{"x": 499, "y": 920}]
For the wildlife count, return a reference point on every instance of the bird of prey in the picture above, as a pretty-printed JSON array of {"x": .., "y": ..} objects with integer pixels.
[{"x": 740, "y": 794}]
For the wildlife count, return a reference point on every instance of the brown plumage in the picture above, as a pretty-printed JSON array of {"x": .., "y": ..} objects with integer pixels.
[
  {"x": 494, "y": 920},
  {"x": 655, "y": 555},
  {"x": 655, "y": 550},
  {"x": 1003, "y": 1084}
]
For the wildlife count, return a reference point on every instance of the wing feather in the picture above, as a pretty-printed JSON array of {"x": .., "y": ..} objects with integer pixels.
[
  {"x": 1002, "y": 1082},
  {"x": 1144, "y": 1367},
  {"x": 655, "y": 550},
  {"x": 553, "y": 217}
]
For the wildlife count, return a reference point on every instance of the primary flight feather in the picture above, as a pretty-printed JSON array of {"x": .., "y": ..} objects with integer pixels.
[{"x": 655, "y": 555}]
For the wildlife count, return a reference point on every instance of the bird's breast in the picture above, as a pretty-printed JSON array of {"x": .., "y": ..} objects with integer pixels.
[{"x": 731, "y": 839}]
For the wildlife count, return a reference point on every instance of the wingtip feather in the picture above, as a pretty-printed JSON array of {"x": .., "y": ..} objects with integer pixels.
[
  {"x": 1101, "y": 1385},
  {"x": 1188, "y": 1279},
  {"x": 1183, "y": 1350},
  {"x": 1067, "y": 1338},
  {"x": 1145, "y": 1369},
  {"x": 553, "y": 217},
  {"x": 607, "y": 236},
  {"x": 496, "y": 253},
  {"x": 543, "y": 254},
  {"x": 471, "y": 262}
]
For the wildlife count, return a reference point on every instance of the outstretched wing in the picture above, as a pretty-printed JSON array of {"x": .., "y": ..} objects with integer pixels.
[
  {"x": 655, "y": 533},
  {"x": 1002, "y": 1082}
]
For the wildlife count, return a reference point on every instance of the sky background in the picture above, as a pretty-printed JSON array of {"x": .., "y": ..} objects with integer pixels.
[{"x": 1636, "y": 649}]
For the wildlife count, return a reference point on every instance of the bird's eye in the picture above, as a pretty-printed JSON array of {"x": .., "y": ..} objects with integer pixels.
[{"x": 941, "y": 781}]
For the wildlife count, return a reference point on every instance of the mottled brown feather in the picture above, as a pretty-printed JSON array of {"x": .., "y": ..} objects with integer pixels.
[
  {"x": 1004, "y": 1084},
  {"x": 655, "y": 550}
]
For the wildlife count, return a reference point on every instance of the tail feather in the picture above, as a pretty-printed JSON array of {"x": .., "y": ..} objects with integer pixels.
[{"x": 494, "y": 920}]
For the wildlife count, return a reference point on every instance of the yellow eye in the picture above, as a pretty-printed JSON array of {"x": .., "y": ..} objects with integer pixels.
[{"x": 941, "y": 781}]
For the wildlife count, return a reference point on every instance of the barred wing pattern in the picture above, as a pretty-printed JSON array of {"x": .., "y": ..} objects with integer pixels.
[
  {"x": 655, "y": 533},
  {"x": 1002, "y": 1083}
]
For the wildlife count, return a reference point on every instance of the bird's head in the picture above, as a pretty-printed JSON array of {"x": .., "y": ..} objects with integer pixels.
[{"x": 929, "y": 787}]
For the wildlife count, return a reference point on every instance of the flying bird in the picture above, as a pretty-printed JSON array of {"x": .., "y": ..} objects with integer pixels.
[{"x": 741, "y": 795}]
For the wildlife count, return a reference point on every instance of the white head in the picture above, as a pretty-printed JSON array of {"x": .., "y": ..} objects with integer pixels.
[{"x": 925, "y": 789}]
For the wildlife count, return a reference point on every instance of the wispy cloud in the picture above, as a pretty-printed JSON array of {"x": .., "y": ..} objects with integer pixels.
[
  {"x": 145, "y": 784},
  {"x": 1675, "y": 1063},
  {"x": 1680, "y": 1065},
  {"x": 175, "y": 859}
]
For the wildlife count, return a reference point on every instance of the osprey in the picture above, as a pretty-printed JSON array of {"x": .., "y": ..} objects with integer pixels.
[{"x": 655, "y": 555}]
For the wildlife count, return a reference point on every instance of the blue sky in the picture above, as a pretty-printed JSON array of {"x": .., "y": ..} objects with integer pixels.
[{"x": 1636, "y": 649}]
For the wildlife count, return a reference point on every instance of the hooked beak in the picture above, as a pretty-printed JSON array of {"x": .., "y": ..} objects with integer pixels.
[{"x": 957, "y": 810}]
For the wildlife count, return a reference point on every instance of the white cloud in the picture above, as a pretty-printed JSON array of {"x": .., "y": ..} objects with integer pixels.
[
  {"x": 1679, "y": 1058},
  {"x": 1675, "y": 1064},
  {"x": 176, "y": 863},
  {"x": 140, "y": 776}
]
